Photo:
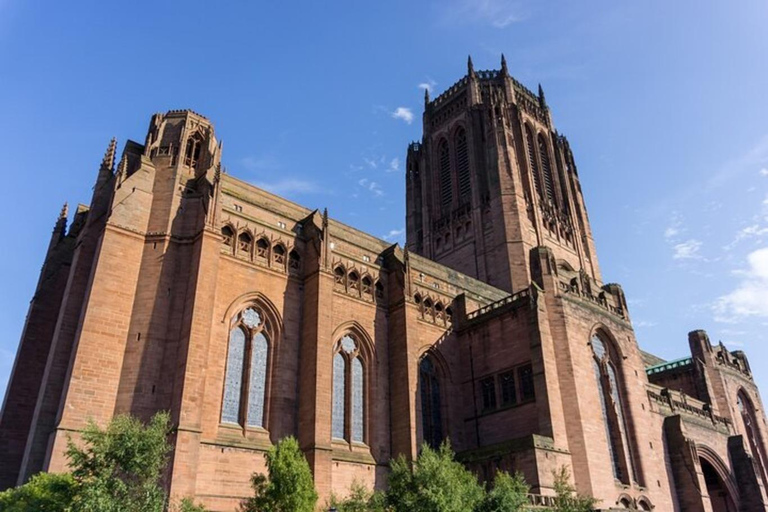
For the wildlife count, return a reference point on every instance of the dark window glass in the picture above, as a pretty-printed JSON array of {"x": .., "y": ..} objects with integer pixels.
[
  {"x": 446, "y": 190},
  {"x": 525, "y": 374},
  {"x": 431, "y": 414},
  {"x": 508, "y": 392},
  {"x": 488, "y": 391}
]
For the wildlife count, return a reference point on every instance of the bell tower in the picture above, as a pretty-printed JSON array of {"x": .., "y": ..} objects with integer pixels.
[{"x": 491, "y": 179}]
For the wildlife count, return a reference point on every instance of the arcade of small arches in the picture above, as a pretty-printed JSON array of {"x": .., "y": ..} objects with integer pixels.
[
  {"x": 433, "y": 310},
  {"x": 357, "y": 284},
  {"x": 240, "y": 243}
]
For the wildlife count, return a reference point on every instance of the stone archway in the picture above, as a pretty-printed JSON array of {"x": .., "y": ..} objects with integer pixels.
[{"x": 719, "y": 494}]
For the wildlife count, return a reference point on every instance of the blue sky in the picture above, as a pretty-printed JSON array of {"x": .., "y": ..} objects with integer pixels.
[{"x": 663, "y": 102}]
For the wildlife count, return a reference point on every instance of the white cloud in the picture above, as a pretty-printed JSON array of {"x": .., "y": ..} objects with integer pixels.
[
  {"x": 403, "y": 113},
  {"x": 371, "y": 186},
  {"x": 750, "y": 298},
  {"x": 260, "y": 163},
  {"x": 688, "y": 250},
  {"x": 394, "y": 165},
  {"x": 671, "y": 232},
  {"x": 394, "y": 234},
  {"x": 640, "y": 324},
  {"x": 496, "y": 13},
  {"x": 291, "y": 186},
  {"x": 429, "y": 85},
  {"x": 753, "y": 231},
  {"x": 370, "y": 163},
  {"x": 764, "y": 171}
]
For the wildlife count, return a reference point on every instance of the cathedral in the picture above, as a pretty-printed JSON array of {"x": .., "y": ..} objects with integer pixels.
[{"x": 251, "y": 318}]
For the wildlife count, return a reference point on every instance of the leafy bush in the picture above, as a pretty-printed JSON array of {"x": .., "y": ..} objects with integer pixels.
[
  {"x": 435, "y": 482},
  {"x": 289, "y": 488},
  {"x": 45, "y": 492},
  {"x": 567, "y": 499},
  {"x": 509, "y": 494}
]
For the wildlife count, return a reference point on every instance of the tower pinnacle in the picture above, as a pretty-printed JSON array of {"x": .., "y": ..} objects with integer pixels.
[
  {"x": 426, "y": 97},
  {"x": 504, "y": 70},
  {"x": 542, "y": 99},
  {"x": 470, "y": 66},
  {"x": 108, "y": 162}
]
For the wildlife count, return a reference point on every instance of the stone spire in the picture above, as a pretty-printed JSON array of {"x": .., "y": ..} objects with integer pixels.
[
  {"x": 542, "y": 99},
  {"x": 504, "y": 70},
  {"x": 426, "y": 97},
  {"x": 470, "y": 67}
]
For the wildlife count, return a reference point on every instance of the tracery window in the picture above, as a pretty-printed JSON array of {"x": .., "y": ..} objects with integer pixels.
[
  {"x": 445, "y": 179},
  {"x": 262, "y": 249},
  {"x": 244, "y": 397},
  {"x": 431, "y": 411},
  {"x": 379, "y": 290},
  {"x": 749, "y": 419},
  {"x": 549, "y": 183},
  {"x": 244, "y": 244},
  {"x": 229, "y": 237},
  {"x": 367, "y": 287},
  {"x": 354, "y": 282},
  {"x": 294, "y": 261},
  {"x": 192, "y": 152},
  {"x": 532, "y": 160},
  {"x": 612, "y": 408},
  {"x": 278, "y": 255},
  {"x": 348, "y": 404},
  {"x": 462, "y": 165},
  {"x": 339, "y": 276}
]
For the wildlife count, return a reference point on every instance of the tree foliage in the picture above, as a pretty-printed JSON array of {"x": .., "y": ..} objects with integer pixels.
[
  {"x": 119, "y": 468},
  {"x": 509, "y": 494},
  {"x": 567, "y": 499},
  {"x": 289, "y": 488},
  {"x": 45, "y": 492},
  {"x": 435, "y": 482}
]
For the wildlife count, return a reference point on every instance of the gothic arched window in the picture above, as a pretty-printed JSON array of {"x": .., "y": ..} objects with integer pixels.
[
  {"x": 367, "y": 287},
  {"x": 262, "y": 249},
  {"x": 749, "y": 418},
  {"x": 431, "y": 411},
  {"x": 192, "y": 152},
  {"x": 532, "y": 160},
  {"x": 244, "y": 244},
  {"x": 229, "y": 237},
  {"x": 462, "y": 165},
  {"x": 546, "y": 167},
  {"x": 246, "y": 372},
  {"x": 348, "y": 409},
  {"x": 278, "y": 255},
  {"x": 446, "y": 189},
  {"x": 294, "y": 261},
  {"x": 612, "y": 407}
]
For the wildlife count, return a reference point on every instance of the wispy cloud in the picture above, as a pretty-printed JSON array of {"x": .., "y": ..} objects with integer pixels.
[
  {"x": 394, "y": 234},
  {"x": 496, "y": 13},
  {"x": 750, "y": 298},
  {"x": 428, "y": 85},
  {"x": 291, "y": 186},
  {"x": 753, "y": 231},
  {"x": 266, "y": 162},
  {"x": 371, "y": 186},
  {"x": 764, "y": 171},
  {"x": 394, "y": 165},
  {"x": 404, "y": 114},
  {"x": 688, "y": 250}
]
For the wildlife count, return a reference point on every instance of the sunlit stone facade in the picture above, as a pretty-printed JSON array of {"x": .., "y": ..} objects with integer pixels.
[{"x": 251, "y": 318}]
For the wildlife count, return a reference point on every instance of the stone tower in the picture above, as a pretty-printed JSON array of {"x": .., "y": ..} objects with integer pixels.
[{"x": 491, "y": 179}]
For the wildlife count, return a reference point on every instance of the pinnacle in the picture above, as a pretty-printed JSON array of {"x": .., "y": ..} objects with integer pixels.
[{"x": 108, "y": 162}]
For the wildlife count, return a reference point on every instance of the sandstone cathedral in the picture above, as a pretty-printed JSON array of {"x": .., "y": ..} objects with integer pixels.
[{"x": 251, "y": 318}]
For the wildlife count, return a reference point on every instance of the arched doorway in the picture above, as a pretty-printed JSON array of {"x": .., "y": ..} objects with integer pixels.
[{"x": 719, "y": 495}]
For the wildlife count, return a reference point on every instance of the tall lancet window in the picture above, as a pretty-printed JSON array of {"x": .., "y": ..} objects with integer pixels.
[
  {"x": 612, "y": 408},
  {"x": 348, "y": 407},
  {"x": 752, "y": 433},
  {"x": 531, "y": 150},
  {"x": 546, "y": 167},
  {"x": 446, "y": 185},
  {"x": 245, "y": 381},
  {"x": 431, "y": 410},
  {"x": 462, "y": 165}
]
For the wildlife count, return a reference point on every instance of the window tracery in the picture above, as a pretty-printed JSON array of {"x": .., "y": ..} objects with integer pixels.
[
  {"x": 244, "y": 244},
  {"x": 348, "y": 414},
  {"x": 549, "y": 182},
  {"x": 245, "y": 380},
  {"x": 193, "y": 149},
  {"x": 278, "y": 255},
  {"x": 294, "y": 261},
  {"x": 462, "y": 165},
  {"x": 229, "y": 238},
  {"x": 445, "y": 178},
  {"x": 431, "y": 409},
  {"x": 532, "y": 160},
  {"x": 262, "y": 249}
]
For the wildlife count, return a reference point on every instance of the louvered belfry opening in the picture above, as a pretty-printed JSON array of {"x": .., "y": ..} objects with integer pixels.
[
  {"x": 462, "y": 163},
  {"x": 446, "y": 192}
]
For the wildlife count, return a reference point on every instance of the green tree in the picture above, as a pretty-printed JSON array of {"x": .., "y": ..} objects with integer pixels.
[
  {"x": 360, "y": 499},
  {"x": 566, "y": 497},
  {"x": 45, "y": 492},
  {"x": 119, "y": 468},
  {"x": 509, "y": 494},
  {"x": 289, "y": 488},
  {"x": 435, "y": 482}
]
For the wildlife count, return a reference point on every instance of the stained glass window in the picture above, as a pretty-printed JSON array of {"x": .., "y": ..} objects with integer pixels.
[
  {"x": 431, "y": 414},
  {"x": 527, "y": 390},
  {"x": 507, "y": 382},
  {"x": 258, "y": 379},
  {"x": 230, "y": 411},
  {"x": 357, "y": 400},
  {"x": 251, "y": 318},
  {"x": 348, "y": 344},
  {"x": 339, "y": 396},
  {"x": 608, "y": 428},
  {"x": 598, "y": 347}
]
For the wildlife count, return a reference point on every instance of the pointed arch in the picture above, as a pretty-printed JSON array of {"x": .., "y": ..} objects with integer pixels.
[
  {"x": 262, "y": 248},
  {"x": 353, "y": 363},
  {"x": 244, "y": 244},
  {"x": 279, "y": 255},
  {"x": 532, "y": 162},
  {"x": 462, "y": 164},
  {"x": 749, "y": 420},
  {"x": 445, "y": 180},
  {"x": 722, "y": 471},
  {"x": 228, "y": 236},
  {"x": 431, "y": 393}
]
